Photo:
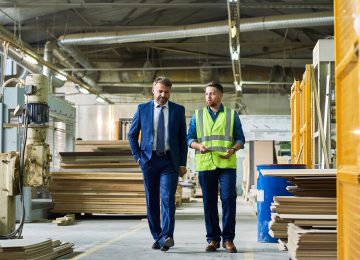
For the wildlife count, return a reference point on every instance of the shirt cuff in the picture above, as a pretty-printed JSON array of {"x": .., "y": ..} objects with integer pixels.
[{"x": 190, "y": 141}]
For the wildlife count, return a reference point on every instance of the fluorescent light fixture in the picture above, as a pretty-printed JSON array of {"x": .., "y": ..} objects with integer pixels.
[
  {"x": 100, "y": 99},
  {"x": 238, "y": 86},
  {"x": 233, "y": 31},
  {"x": 61, "y": 76},
  {"x": 30, "y": 59},
  {"x": 83, "y": 90},
  {"x": 235, "y": 55},
  {"x": 356, "y": 131}
]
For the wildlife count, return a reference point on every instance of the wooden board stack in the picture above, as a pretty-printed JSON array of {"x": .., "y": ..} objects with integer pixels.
[
  {"x": 31, "y": 248},
  {"x": 307, "y": 244},
  {"x": 306, "y": 223},
  {"x": 101, "y": 178},
  {"x": 96, "y": 191}
]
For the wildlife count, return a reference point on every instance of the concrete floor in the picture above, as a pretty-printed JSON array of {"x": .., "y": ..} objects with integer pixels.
[{"x": 110, "y": 237}]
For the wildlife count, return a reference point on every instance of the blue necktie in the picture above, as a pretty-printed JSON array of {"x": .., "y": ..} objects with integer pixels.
[{"x": 160, "y": 143}]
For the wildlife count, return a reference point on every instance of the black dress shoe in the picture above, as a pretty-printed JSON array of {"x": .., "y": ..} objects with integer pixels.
[
  {"x": 164, "y": 248},
  {"x": 156, "y": 245},
  {"x": 169, "y": 242}
]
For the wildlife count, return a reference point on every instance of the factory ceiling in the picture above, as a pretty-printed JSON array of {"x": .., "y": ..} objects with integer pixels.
[{"x": 112, "y": 47}]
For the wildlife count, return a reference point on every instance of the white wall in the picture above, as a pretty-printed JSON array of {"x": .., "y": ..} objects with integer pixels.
[{"x": 96, "y": 121}]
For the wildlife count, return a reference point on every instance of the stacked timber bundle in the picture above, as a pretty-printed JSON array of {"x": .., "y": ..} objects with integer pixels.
[
  {"x": 308, "y": 217},
  {"x": 31, "y": 248},
  {"x": 311, "y": 243},
  {"x": 101, "y": 178},
  {"x": 95, "y": 191},
  {"x": 96, "y": 146}
]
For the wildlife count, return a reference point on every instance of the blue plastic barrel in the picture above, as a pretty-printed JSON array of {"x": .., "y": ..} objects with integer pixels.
[{"x": 267, "y": 188}]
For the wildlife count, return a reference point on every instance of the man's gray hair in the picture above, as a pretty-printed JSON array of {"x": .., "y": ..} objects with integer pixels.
[{"x": 163, "y": 80}]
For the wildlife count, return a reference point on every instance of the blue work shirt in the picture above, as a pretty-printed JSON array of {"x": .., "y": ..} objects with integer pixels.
[{"x": 237, "y": 131}]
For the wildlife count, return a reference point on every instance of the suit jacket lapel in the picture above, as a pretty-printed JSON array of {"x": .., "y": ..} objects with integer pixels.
[
  {"x": 171, "y": 118},
  {"x": 151, "y": 116}
]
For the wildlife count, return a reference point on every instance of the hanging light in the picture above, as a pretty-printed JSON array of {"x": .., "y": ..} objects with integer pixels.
[
  {"x": 83, "y": 90},
  {"x": 30, "y": 59},
  {"x": 61, "y": 76},
  {"x": 100, "y": 99}
]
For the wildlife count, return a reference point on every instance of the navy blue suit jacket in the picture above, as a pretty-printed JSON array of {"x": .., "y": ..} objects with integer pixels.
[{"x": 144, "y": 121}]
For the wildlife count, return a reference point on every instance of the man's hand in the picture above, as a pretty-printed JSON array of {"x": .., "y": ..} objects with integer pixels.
[
  {"x": 182, "y": 171},
  {"x": 228, "y": 154},
  {"x": 138, "y": 161},
  {"x": 203, "y": 149}
]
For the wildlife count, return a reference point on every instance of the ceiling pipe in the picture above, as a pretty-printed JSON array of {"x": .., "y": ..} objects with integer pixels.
[
  {"x": 90, "y": 5},
  {"x": 71, "y": 66},
  {"x": 203, "y": 29},
  {"x": 48, "y": 56},
  {"x": 18, "y": 57},
  {"x": 79, "y": 57},
  {"x": 190, "y": 85}
]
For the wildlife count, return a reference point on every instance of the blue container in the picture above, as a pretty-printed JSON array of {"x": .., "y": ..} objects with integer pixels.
[{"x": 267, "y": 188}]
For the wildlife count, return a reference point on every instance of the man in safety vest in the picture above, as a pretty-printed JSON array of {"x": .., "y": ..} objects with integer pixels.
[{"x": 215, "y": 132}]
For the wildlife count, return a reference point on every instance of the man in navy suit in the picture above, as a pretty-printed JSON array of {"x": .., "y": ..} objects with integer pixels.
[{"x": 162, "y": 155}]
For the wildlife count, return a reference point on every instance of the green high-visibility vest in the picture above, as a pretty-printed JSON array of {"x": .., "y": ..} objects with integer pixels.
[{"x": 216, "y": 136}]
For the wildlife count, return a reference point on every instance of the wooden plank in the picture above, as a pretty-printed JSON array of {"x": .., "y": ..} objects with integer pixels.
[
  {"x": 299, "y": 172},
  {"x": 307, "y": 216}
]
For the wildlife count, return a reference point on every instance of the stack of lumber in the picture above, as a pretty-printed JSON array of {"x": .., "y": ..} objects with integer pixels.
[
  {"x": 103, "y": 145},
  {"x": 106, "y": 159},
  {"x": 31, "y": 248},
  {"x": 310, "y": 215},
  {"x": 102, "y": 192},
  {"x": 311, "y": 243},
  {"x": 285, "y": 205},
  {"x": 303, "y": 211},
  {"x": 278, "y": 227},
  {"x": 308, "y": 182},
  {"x": 100, "y": 178}
]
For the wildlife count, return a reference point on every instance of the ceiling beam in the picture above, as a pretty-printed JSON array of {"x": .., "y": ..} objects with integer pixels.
[{"x": 208, "y": 5}]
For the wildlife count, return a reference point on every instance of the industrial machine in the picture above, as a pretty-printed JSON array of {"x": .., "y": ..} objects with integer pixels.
[{"x": 30, "y": 167}]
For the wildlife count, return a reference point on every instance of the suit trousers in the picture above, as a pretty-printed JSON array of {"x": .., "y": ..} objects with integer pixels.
[
  {"x": 160, "y": 182},
  {"x": 209, "y": 182}
]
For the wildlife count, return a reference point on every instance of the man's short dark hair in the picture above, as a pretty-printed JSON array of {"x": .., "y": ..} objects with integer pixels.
[
  {"x": 216, "y": 85},
  {"x": 163, "y": 80}
]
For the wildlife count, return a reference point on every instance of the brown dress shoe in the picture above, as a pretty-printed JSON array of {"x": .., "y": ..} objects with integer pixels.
[
  {"x": 212, "y": 246},
  {"x": 229, "y": 247}
]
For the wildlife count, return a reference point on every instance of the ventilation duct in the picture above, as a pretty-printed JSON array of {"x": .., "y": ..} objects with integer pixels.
[
  {"x": 203, "y": 29},
  {"x": 207, "y": 73},
  {"x": 149, "y": 75}
]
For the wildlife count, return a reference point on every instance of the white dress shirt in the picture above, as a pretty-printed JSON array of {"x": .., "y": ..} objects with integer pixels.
[{"x": 156, "y": 120}]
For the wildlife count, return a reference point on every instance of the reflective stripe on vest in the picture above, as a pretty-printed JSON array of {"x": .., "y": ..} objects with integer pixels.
[{"x": 217, "y": 137}]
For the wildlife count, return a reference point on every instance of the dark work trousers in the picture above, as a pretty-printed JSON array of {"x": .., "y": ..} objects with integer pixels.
[
  {"x": 209, "y": 181},
  {"x": 160, "y": 182}
]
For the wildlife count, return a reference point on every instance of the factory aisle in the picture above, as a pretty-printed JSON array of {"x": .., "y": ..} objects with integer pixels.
[{"x": 126, "y": 238}]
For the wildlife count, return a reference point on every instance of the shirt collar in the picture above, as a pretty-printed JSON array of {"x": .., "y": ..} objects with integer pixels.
[
  {"x": 221, "y": 109},
  {"x": 156, "y": 104}
]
